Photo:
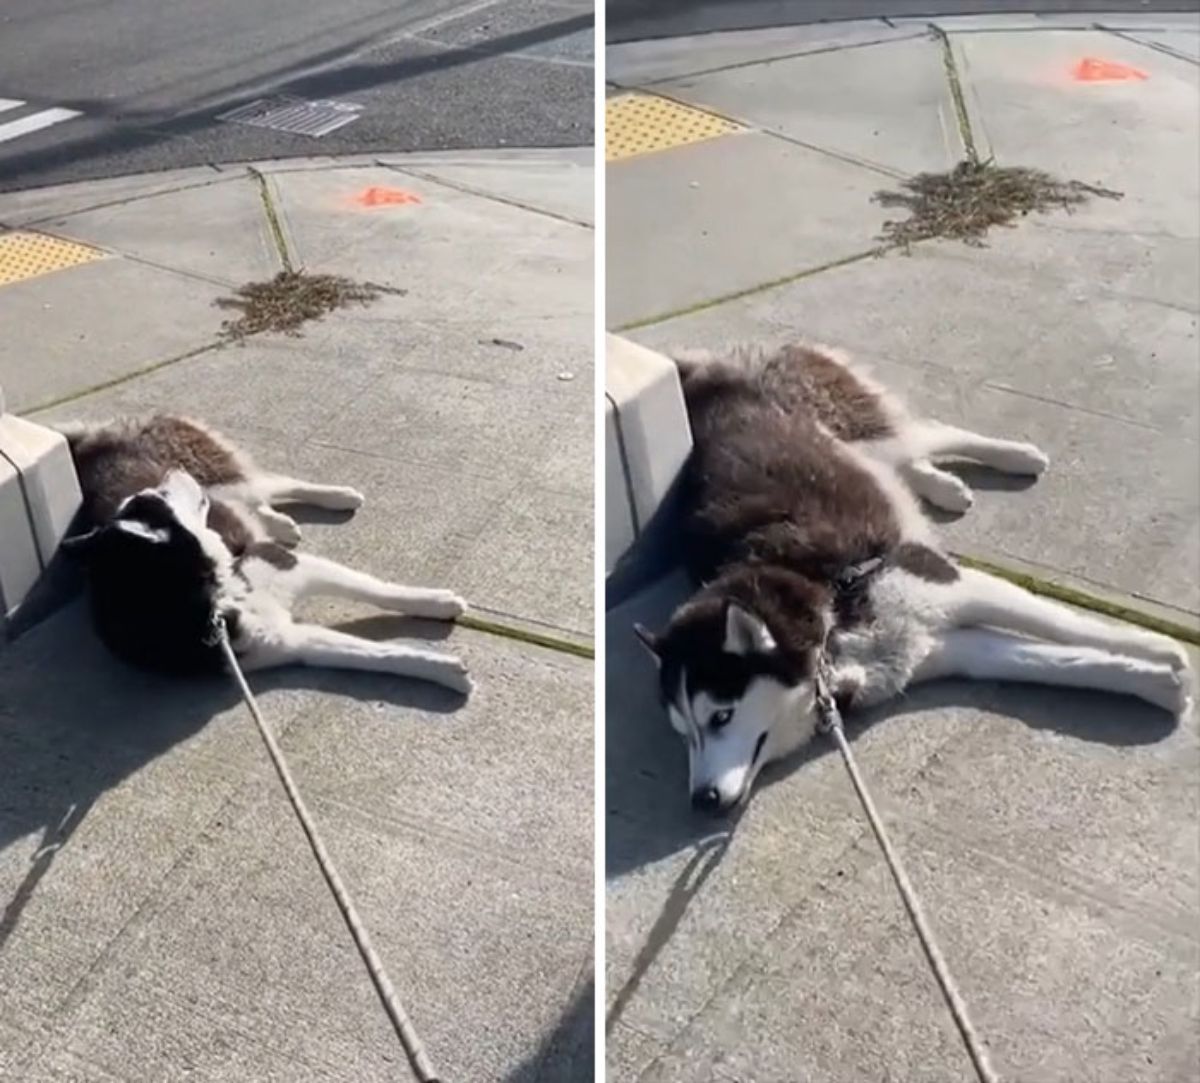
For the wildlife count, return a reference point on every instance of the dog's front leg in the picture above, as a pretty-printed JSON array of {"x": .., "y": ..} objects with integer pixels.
[
  {"x": 313, "y": 645},
  {"x": 280, "y": 489},
  {"x": 983, "y": 654},
  {"x": 937, "y": 440}
]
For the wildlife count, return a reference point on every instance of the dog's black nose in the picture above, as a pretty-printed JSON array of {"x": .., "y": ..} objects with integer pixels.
[{"x": 706, "y": 800}]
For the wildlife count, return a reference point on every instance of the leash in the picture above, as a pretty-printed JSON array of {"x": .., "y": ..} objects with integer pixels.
[
  {"x": 829, "y": 722},
  {"x": 421, "y": 1065}
]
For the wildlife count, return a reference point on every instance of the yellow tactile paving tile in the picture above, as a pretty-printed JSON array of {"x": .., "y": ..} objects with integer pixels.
[
  {"x": 643, "y": 123},
  {"x": 26, "y": 255}
]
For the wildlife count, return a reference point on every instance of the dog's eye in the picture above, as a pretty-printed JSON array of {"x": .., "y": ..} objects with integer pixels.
[{"x": 720, "y": 718}]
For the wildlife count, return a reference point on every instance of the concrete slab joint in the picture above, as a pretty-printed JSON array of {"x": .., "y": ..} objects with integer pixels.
[{"x": 647, "y": 438}]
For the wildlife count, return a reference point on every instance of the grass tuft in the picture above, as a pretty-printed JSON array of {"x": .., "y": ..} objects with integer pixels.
[
  {"x": 972, "y": 198},
  {"x": 292, "y": 298}
]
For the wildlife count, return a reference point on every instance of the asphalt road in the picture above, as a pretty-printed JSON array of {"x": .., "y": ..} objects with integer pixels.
[
  {"x": 94, "y": 88},
  {"x": 631, "y": 20}
]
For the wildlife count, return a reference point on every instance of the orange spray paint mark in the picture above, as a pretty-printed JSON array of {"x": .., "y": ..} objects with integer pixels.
[
  {"x": 1091, "y": 70},
  {"x": 384, "y": 197}
]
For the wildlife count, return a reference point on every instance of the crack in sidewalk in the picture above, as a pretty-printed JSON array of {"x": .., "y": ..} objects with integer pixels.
[
  {"x": 124, "y": 201},
  {"x": 273, "y": 221},
  {"x": 1158, "y": 47},
  {"x": 522, "y": 634},
  {"x": 956, "y": 94},
  {"x": 508, "y": 201},
  {"x": 749, "y": 291},
  {"x": 797, "y": 54},
  {"x": 116, "y": 381}
]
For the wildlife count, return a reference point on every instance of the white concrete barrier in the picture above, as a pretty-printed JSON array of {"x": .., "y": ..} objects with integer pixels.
[
  {"x": 39, "y": 496},
  {"x": 647, "y": 440}
]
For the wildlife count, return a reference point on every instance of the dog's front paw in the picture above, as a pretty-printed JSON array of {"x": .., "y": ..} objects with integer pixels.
[
  {"x": 943, "y": 490},
  {"x": 286, "y": 532},
  {"x": 281, "y": 528}
]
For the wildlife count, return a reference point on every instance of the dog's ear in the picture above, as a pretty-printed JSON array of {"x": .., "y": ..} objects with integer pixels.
[
  {"x": 649, "y": 640},
  {"x": 80, "y": 545},
  {"x": 745, "y": 633}
]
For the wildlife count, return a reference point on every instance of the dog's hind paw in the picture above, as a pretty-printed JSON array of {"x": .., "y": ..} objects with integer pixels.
[
  {"x": 1166, "y": 652},
  {"x": 451, "y": 673},
  {"x": 1174, "y": 690},
  {"x": 1184, "y": 695},
  {"x": 439, "y": 605},
  {"x": 342, "y": 498},
  {"x": 1185, "y": 699}
]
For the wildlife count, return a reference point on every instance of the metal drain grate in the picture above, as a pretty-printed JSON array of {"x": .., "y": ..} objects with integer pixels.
[
  {"x": 284, "y": 114},
  {"x": 642, "y": 123},
  {"x": 28, "y": 255}
]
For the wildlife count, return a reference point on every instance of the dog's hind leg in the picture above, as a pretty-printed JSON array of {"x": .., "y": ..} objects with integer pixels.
[
  {"x": 314, "y": 575},
  {"x": 280, "y": 489},
  {"x": 313, "y": 645},
  {"x": 981, "y": 599},
  {"x": 933, "y": 439},
  {"x": 989, "y": 655}
]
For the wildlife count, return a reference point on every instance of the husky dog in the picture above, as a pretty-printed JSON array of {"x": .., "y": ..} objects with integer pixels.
[
  {"x": 807, "y": 542},
  {"x": 184, "y": 529}
]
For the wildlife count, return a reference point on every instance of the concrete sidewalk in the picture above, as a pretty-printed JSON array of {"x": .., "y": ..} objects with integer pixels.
[
  {"x": 1053, "y": 836},
  {"x": 162, "y": 915}
]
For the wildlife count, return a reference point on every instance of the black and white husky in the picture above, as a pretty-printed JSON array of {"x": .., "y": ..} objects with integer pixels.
[
  {"x": 804, "y": 533},
  {"x": 184, "y": 528}
]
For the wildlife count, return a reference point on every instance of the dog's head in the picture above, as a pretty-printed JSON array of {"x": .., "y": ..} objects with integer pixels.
[
  {"x": 154, "y": 573},
  {"x": 736, "y": 667}
]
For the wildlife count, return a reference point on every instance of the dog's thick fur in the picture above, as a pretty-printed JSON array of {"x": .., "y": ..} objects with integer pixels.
[
  {"x": 181, "y": 527},
  {"x": 804, "y": 470}
]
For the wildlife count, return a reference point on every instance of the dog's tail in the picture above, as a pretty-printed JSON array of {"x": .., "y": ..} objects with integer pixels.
[
  {"x": 74, "y": 431},
  {"x": 690, "y": 362}
]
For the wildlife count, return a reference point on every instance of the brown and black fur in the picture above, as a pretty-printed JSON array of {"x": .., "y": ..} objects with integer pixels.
[
  {"x": 115, "y": 461},
  {"x": 183, "y": 542},
  {"x": 155, "y": 605},
  {"x": 766, "y": 484},
  {"x": 775, "y": 512}
]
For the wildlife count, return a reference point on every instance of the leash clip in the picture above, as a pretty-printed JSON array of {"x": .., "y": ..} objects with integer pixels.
[{"x": 829, "y": 718}]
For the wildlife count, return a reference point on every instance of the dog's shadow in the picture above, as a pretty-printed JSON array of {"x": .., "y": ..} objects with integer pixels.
[
  {"x": 75, "y": 723},
  {"x": 978, "y": 478},
  {"x": 308, "y": 514}
]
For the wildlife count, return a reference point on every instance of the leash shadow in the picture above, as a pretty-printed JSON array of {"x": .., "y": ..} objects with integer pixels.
[
  {"x": 568, "y": 1051},
  {"x": 703, "y": 862}
]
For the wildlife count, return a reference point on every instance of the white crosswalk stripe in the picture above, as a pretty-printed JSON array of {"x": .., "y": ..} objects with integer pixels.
[{"x": 31, "y": 122}]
